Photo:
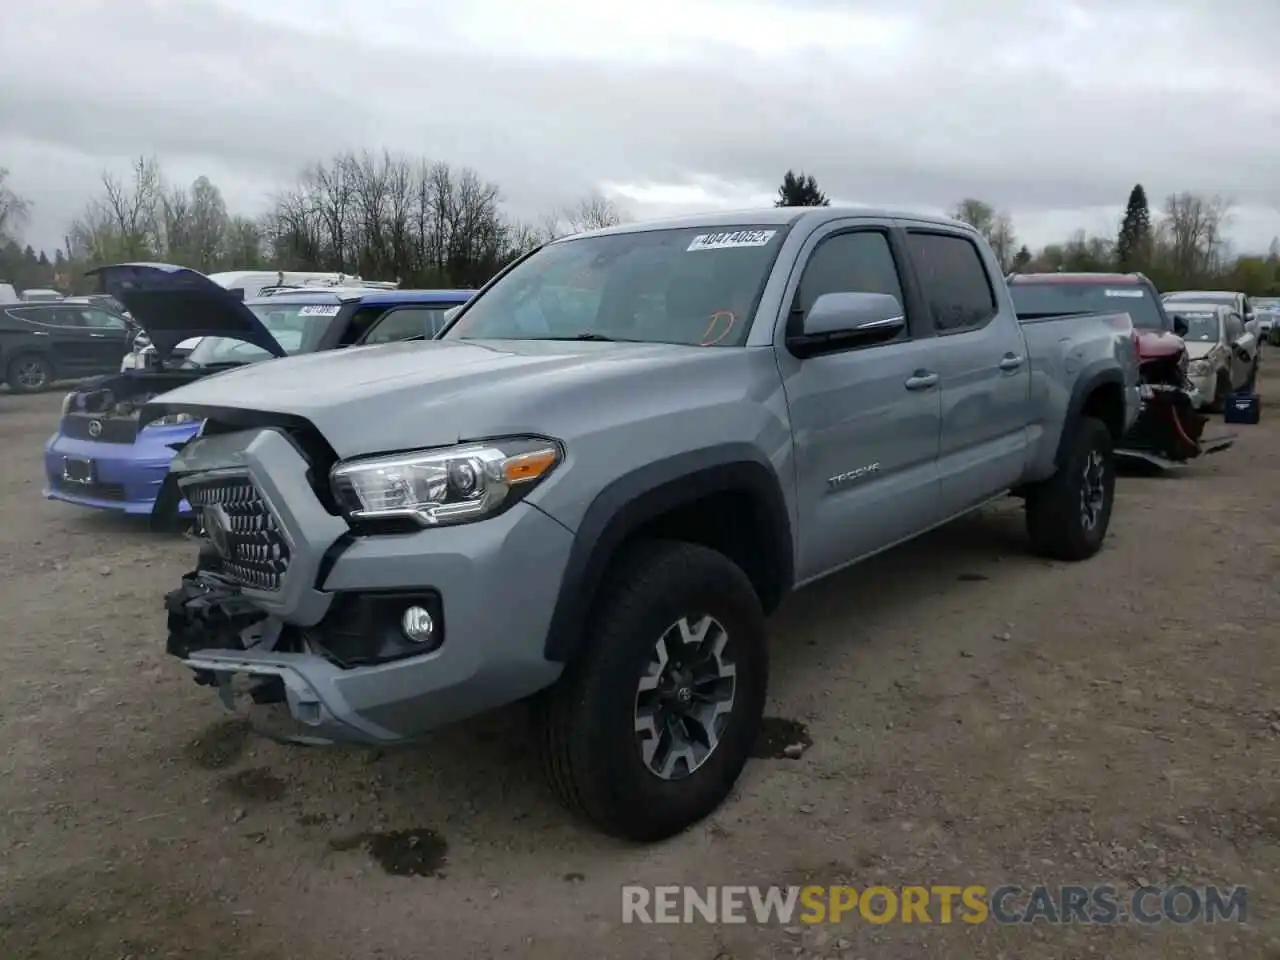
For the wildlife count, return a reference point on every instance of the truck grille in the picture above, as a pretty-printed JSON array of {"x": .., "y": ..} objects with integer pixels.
[{"x": 233, "y": 516}]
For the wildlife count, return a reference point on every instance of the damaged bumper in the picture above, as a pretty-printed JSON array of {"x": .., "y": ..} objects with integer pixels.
[{"x": 324, "y": 652}]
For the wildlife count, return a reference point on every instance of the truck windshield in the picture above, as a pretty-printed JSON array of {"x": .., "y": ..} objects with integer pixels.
[
  {"x": 297, "y": 327},
  {"x": 1037, "y": 300},
  {"x": 697, "y": 286}
]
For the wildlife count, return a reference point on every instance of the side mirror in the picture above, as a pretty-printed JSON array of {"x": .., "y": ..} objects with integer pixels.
[
  {"x": 839, "y": 320},
  {"x": 1180, "y": 326}
]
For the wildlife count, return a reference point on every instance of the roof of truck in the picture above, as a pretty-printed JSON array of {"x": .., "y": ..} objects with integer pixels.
[
  {"x": 1114, "y": 279},
  {"x": 387, "y": 297},
  {"x": 371, "y": 296},
  {"x": 770, "y": 216}
]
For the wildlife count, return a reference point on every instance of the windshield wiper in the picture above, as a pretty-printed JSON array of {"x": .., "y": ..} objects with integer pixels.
[{"x": 596, "y": 337}]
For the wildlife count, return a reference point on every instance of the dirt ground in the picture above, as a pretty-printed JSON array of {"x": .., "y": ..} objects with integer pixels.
[{"x": 976, "y": 716}]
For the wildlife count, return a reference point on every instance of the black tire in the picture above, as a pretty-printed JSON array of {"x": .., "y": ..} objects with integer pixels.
[
  {"x": 587, "y": 721},
  {"x": 1221, "y": 390},
  {"x": 29, "y": 373},
  {"x": 1056, "y": 516}
]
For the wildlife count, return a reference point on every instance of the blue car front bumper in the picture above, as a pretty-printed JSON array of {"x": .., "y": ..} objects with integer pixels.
[{"x": 124, "y": 477}]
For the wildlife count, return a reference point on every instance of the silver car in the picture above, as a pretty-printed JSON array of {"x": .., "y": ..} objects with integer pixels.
[{"x": 1220, "y": 349}]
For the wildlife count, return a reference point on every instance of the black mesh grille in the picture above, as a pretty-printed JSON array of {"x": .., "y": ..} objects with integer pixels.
[
  {"x": 110, "y": 429},
  {"x": 249, "y": 541}
]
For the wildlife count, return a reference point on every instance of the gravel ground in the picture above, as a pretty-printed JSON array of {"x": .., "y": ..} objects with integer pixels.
[{"x": 976, "y": 716}]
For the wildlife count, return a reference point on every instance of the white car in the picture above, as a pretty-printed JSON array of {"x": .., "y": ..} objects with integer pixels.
[{"x": 1221, "y": 350}]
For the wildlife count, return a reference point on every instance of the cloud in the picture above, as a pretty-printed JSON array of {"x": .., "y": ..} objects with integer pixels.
[{"x": 1049, "y": 111}]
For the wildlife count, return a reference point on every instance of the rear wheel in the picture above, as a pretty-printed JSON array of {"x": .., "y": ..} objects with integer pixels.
[
  {"x": 647, "y": 732},
  {"x": 29, "y": 373},
  {"x": 1068, "y": 514}
]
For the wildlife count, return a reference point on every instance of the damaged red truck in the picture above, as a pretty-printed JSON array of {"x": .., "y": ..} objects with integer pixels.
[{"x": 1169, "y": 430}]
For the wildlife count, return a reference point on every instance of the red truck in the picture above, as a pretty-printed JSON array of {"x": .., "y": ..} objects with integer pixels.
[{"x": 1169, "y": 430}]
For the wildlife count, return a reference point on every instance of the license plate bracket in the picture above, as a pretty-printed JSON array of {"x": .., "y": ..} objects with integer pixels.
[{"x": 79, "y": 470}]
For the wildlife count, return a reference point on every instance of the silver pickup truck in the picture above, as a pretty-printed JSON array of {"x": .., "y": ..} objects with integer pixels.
[{"x": 596, "y": 484}]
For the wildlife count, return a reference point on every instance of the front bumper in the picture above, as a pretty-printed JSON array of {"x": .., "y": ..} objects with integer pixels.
[
  {"x": 496, "y": 582},
  {"x": 128, "y": 475}
]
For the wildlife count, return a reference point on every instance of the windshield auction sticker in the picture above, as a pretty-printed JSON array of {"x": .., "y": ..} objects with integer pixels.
[
  {"x": 728, "y": 241},
  {"x": 1131, "y": 294},
  {"x": 319, "y": 311}
]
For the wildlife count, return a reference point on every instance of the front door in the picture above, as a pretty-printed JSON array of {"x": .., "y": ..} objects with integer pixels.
[
  {"x": 864, "y": 421},
  {"x": 984, "y": 368},
  {"x": 108, "y": 338}
]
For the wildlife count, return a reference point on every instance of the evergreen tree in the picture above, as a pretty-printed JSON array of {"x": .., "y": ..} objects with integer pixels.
[
  {"x": 800, "y": 190},
  {"x": 1134, "y": 242},
  {"x": 1021, "y": 259}
]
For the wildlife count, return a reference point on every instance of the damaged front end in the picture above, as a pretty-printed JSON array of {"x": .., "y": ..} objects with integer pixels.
[{"x": 1169, "y": 429}]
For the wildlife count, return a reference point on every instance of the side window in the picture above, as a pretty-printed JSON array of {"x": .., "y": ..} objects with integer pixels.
[
  {"x": 860, "y": 262},
  {"x": 404, "y": 324},
  {"x": 101, "y": 320},
  {"x": 954, "y": 281},
  {"x": 65, "y": 317}
]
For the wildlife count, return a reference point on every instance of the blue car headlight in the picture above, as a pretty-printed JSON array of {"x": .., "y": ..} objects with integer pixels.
[{"x": 171, "y": 419}]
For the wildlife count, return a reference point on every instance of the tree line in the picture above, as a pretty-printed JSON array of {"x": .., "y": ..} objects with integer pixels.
[
  {"x": 429, "y": 224},
  {"x": 380, "y": 216},
  {"x": 1185, "y": 248}
]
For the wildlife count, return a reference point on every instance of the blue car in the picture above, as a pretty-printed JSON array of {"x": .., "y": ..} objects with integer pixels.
[{"x": 99, "y": 458}]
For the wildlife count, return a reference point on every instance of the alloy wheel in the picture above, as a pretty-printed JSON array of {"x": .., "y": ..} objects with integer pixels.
[{"x": 685, "y": 697}]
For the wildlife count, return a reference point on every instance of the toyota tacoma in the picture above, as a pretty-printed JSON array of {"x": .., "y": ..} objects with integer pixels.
[{"x": 592, "y": 489}]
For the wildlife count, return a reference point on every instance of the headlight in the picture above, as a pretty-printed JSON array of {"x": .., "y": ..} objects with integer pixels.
[
  {"x": 171, "y": 419},
  {"x": 68, "y": 403},
  {"x": 444, "y": 486},
  {"x": 1198, "y": 368}
]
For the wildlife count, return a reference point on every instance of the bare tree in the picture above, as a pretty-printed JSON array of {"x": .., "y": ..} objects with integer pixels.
[
  {"x": 132, "y": 208},
  {"x": 1191, "y": 233},
  {"x": 14, "y": 210},
  {"x": 995, "y": 227}
]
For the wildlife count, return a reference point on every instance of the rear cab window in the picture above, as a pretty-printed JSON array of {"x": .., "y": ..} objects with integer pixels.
[
  {"x": 1038, "y": 299},
  {"x": 953, "y": 281}
]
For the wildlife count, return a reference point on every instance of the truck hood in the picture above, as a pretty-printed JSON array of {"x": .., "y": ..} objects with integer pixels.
[
  {"x": 173, "y": 304},
  {"x": 1153, "y": 344},
  {"x": 437, "y": 392}
]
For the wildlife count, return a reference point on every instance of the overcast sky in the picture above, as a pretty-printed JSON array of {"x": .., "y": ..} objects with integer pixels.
[{"x": 1051, "y": 111}]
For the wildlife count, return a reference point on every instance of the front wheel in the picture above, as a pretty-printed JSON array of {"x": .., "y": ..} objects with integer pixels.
[
  {"x": 647, "y": 732},
  {"x": 1068, "y": 514}
]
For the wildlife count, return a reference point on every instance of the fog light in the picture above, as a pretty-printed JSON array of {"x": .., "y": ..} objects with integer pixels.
[{"x": 417, "y": 625}]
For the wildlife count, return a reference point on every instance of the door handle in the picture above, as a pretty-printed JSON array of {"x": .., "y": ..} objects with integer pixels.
[
  {"x": 97, "y": 335},
  {"x": 39, "y": 333},
  {"x": 921, "y": 380},
  {"x": 1010, "y": 362}
]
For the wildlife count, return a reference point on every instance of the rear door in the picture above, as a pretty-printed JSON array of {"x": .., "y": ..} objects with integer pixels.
[
  {"x": 45, "y": 331},
  {"x": 77, "y": 351},
  {"x": 864, "y": 419},
  {"x": 981, "y": 360}
]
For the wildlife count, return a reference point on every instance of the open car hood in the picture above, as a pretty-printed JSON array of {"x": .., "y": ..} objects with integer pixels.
[{"x": 173, "y": 304}]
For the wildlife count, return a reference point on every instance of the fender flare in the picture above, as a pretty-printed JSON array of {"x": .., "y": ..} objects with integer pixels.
[
  {"x": 1094, "y": 375},
  {"x": 644, "y": 494}
]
